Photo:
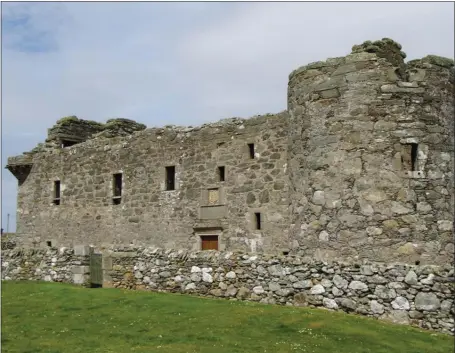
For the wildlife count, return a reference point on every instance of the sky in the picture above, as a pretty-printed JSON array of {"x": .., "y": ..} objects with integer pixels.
[{"x": 180, "y": 63}]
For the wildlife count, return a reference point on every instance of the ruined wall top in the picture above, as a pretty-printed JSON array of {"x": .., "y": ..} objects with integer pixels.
[
  {"x": 72, "y": 130},
  {"x": 386, "y": 49}
]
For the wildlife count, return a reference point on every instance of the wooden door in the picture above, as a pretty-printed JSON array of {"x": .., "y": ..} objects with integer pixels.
[{"x": 209, "y": 242}]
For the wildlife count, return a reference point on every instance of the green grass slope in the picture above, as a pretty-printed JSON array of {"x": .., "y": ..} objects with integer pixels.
[{"x": 49, "y": 317}]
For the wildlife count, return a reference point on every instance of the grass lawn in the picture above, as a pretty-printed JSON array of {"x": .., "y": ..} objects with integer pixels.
[{"x": 50, "y": 317}]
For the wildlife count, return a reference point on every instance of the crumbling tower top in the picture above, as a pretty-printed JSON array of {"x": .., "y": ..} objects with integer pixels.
[{"x": 385, "y": 48}]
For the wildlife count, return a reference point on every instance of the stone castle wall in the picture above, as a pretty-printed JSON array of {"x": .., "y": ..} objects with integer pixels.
[
  {"x": 360, "y": 166},
  {"x": 407, "y": 294},
  {"x": 150, "y": 215},
  {"x": 358, "y": 190}
]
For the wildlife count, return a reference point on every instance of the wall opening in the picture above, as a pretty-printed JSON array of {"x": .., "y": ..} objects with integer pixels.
[
  {"x": 251, "y": 150},
  {"x": 221, "y": 173},
  {"x": 67, "y": 143},
  {"x": 209, "y": 242},
  {"x": 409, "y": 154},
  {"x": 49, "y": 243},
  {"x": 170, "y": 178},
  {"x": 257, "y": 219},
  {"x": 57, "y": 192},
  {"x": 414, "y": 147},
  {"x": 117, "y": 186}
]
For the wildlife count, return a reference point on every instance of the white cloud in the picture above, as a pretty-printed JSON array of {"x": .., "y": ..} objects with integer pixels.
[{"x": 183, "y": 63}]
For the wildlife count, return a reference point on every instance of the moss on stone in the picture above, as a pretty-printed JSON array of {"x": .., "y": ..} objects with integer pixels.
[
  {"x": 385, "y": 48},
  {"x": 119, "y": 122},
  {"x": 439, "y": 61},
  {"x": 67, "y": 119}
]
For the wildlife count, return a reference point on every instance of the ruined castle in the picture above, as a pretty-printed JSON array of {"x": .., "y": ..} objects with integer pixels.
[{"x": 360, "y": 165}]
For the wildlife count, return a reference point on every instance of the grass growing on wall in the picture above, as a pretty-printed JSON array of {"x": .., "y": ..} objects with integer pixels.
[{"x": 49, "y": 317}]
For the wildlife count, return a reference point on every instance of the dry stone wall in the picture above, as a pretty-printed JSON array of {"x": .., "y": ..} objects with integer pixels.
[
  {"x": 50, "y": 265},
  {"x": 415, "y": 295},
  {"x": 406, "y": 294}
]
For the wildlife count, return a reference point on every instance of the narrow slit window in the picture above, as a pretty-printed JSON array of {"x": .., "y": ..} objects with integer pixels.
[
  {"x": 251, "y": 150},
  {"x": 409, "y": 156},
  {"x": 221, "y": 173},
  {"x": 117, "y": 185},
  {"x": 170, "y": 178},
  {"x": 414, "y": 156},
  {"x": 57, "y": 192},
  {"x": 257, "y": 218}
]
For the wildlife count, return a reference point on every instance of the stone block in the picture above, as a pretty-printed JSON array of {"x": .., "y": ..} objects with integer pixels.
[
  {"x": 79, "y": 278},
  {"x": 330, "y": 93},
  {"x": 80, "y": 270},
  {"x": 82, "y": 250},
  {"x": 107, "y": 263}
]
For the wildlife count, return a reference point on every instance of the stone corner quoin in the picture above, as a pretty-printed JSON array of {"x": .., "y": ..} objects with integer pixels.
[{"x": 359, "y": 166}]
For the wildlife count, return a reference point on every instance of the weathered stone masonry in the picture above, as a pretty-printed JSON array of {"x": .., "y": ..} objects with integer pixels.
[
  {"x": 371, "y": 156},
  {"x": 359, "y": 166},
  {"x": 150, "y": 214},
  {"x": 408, "y": 294}
]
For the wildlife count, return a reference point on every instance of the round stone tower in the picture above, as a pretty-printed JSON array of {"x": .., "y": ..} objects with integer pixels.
[{"x": 371, "y": 148}]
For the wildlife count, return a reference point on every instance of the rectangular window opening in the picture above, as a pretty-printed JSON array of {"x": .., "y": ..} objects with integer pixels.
[
  {"x": 209, "y": 242},
  {"x": 257, "y": 218},
  {"x": 117, "y": 186},
  {"x": 409, "y": 156},
  {"x": 57, "y": 192},
  {"x": 49, "y": 243},
  {"x": 251, "y": 150},
  {"x": 221, "y": 175},
  {"x": 170, "y": 178}
]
